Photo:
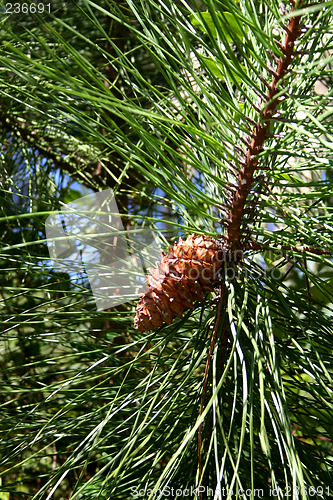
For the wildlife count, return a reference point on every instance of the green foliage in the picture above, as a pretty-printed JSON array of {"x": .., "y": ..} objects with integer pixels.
[
  {"x": 227, "y": 22},
  {"x": 153, "y": 99}
]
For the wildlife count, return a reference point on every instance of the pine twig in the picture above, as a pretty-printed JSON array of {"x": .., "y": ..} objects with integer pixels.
[
  {"x": 297, "y": 248},
  {"x": 210, "y": 354},
  {"x": 260, "y": 133}
]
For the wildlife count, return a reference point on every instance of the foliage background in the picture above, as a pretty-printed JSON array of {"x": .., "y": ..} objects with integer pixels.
[{"x": 154, "y": 100}]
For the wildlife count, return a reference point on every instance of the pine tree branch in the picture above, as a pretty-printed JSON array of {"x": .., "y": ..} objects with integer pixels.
[
  {"x": 260, "y": 134},
  {"x": 297, "y": 248},
  {"x": 49, "y": 149}
]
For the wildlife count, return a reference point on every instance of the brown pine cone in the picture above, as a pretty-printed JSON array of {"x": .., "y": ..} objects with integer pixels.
[{"x": 181, "y": 278}]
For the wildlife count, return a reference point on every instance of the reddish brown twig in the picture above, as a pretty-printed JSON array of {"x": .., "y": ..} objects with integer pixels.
[
  {"x": 260, "y": 134},
  {"x": 211, "y": 349}
]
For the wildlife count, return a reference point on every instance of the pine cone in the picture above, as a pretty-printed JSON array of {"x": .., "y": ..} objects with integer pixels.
[{"x": 181, "y": 278}]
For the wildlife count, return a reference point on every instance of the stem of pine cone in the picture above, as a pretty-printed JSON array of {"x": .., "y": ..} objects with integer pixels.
[{"x": 260, "y": 134}]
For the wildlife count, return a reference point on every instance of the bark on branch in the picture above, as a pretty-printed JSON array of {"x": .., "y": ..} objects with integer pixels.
[{"x": 260, "y": 134}]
